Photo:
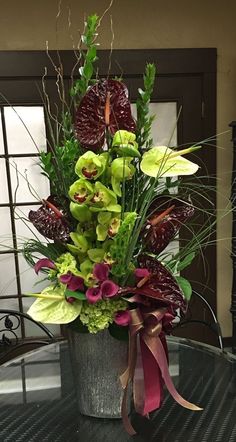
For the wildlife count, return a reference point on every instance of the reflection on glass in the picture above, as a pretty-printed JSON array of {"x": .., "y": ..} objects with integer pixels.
[{"x": 25, "y": 128}]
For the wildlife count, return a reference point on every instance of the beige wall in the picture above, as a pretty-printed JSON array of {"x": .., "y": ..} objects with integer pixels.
[{"x": 27, "y": 24}]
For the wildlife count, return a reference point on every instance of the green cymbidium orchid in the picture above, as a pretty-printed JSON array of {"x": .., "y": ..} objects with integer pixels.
[
  {"x": 103, "y": 199},
  {"x": 80, "y": 242},
  {"x": 90, "y": 165},
  {"x": 87, "y": 229},
  {"x": 86, "y": 268},
  {"x": 81, "y": 191},
  {"x": 121, "y": 169},
  {"x": 125, "y": 144},
  {"x": 80, "y": 212},
  {"x": 96, "y": 255},
  {"x": 160, "y": 161},
  {"x": 108, "y": 225}
]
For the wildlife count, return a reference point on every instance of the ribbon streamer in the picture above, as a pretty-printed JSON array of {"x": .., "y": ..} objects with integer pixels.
[{"x": 148, "y": 365}]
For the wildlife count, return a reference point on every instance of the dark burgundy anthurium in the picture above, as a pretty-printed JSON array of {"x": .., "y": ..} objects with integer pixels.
[
  {"x": 105, "y": 107},
  {"x": 160, "y": 287},
  {"x": 167, "y": 215},
  {"x": 50, "y": 221}
]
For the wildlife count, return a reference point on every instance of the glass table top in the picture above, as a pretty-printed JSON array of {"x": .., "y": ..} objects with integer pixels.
[{"x": 38, "y": 401}]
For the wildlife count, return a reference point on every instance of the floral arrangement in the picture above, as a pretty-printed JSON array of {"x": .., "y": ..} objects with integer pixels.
[{"x": 110, "y": 216}]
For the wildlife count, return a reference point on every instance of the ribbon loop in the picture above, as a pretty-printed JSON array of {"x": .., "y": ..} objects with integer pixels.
[{"x": 148, "y": 364}]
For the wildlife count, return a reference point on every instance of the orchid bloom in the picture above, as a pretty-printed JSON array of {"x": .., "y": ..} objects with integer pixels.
[
  {"x": 81, "y": 191},
  {"x": 125, "y": 145},
  {"x": 90, "y": 165}
]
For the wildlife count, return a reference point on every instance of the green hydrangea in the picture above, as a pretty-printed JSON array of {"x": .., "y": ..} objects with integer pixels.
[
  {"x": 67, "y": 263},
  {"x": 99, "y": 316}
]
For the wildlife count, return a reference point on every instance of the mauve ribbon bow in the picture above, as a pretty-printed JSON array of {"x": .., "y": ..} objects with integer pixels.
[{"x": 148, "y": 368}]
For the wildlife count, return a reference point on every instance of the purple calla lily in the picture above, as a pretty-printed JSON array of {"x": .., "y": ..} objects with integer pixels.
[
  {"x": 93, "y": 294},
  {"x": 109, "y": 289},
  {"x": 72, "y": 282},
  {"x": 122, "y": 317},
  {"x": 101, "y": 271},
  {"x": 44, "y": 263}
]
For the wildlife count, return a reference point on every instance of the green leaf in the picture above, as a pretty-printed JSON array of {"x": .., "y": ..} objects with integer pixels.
[
  {"x": 185, "y": 287},
  {"x": 78, "y": 295},
  {"x": 186, "y": 261}
]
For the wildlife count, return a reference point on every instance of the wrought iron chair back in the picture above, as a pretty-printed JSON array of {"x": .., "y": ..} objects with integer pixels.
[{"x": 10, "y": 344}]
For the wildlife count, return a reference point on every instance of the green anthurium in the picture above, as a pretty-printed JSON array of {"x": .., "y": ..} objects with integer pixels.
[
  {"x": 80, "y": 212},
  {"x": 160, "y": 161},
  {"x": 96, "y": 255},
  {"x": 80, "y": 241},
  {"x": 102, "y": 198},
  {"x": 81, "y": 191},
  {"x": 52, "y": 307},
  {"x": 121, "y": 168},
  {"x": 90, "y": 165},
  {"x": 125, "y": 144}
]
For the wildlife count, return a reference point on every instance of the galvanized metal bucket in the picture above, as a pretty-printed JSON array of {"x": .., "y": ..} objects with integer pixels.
[{"x": 97, "y": 361}]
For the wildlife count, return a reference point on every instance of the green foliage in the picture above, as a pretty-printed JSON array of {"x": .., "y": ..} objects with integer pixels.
[
  {"x": 89, "y": 57},
  {"x": 144, "y": 120},
  {"x": 99, "y": 316},
  {"x": 59, "y": 166},
  {"x": 32, "y": 248},
  {"x": 120, "y": 246},
  {"x": 185, "y": 286}
]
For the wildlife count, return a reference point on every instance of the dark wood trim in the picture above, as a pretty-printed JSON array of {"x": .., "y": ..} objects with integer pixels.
[
  {"x": 30, "y": 64},
  {"x": 233, "y": 254}
]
